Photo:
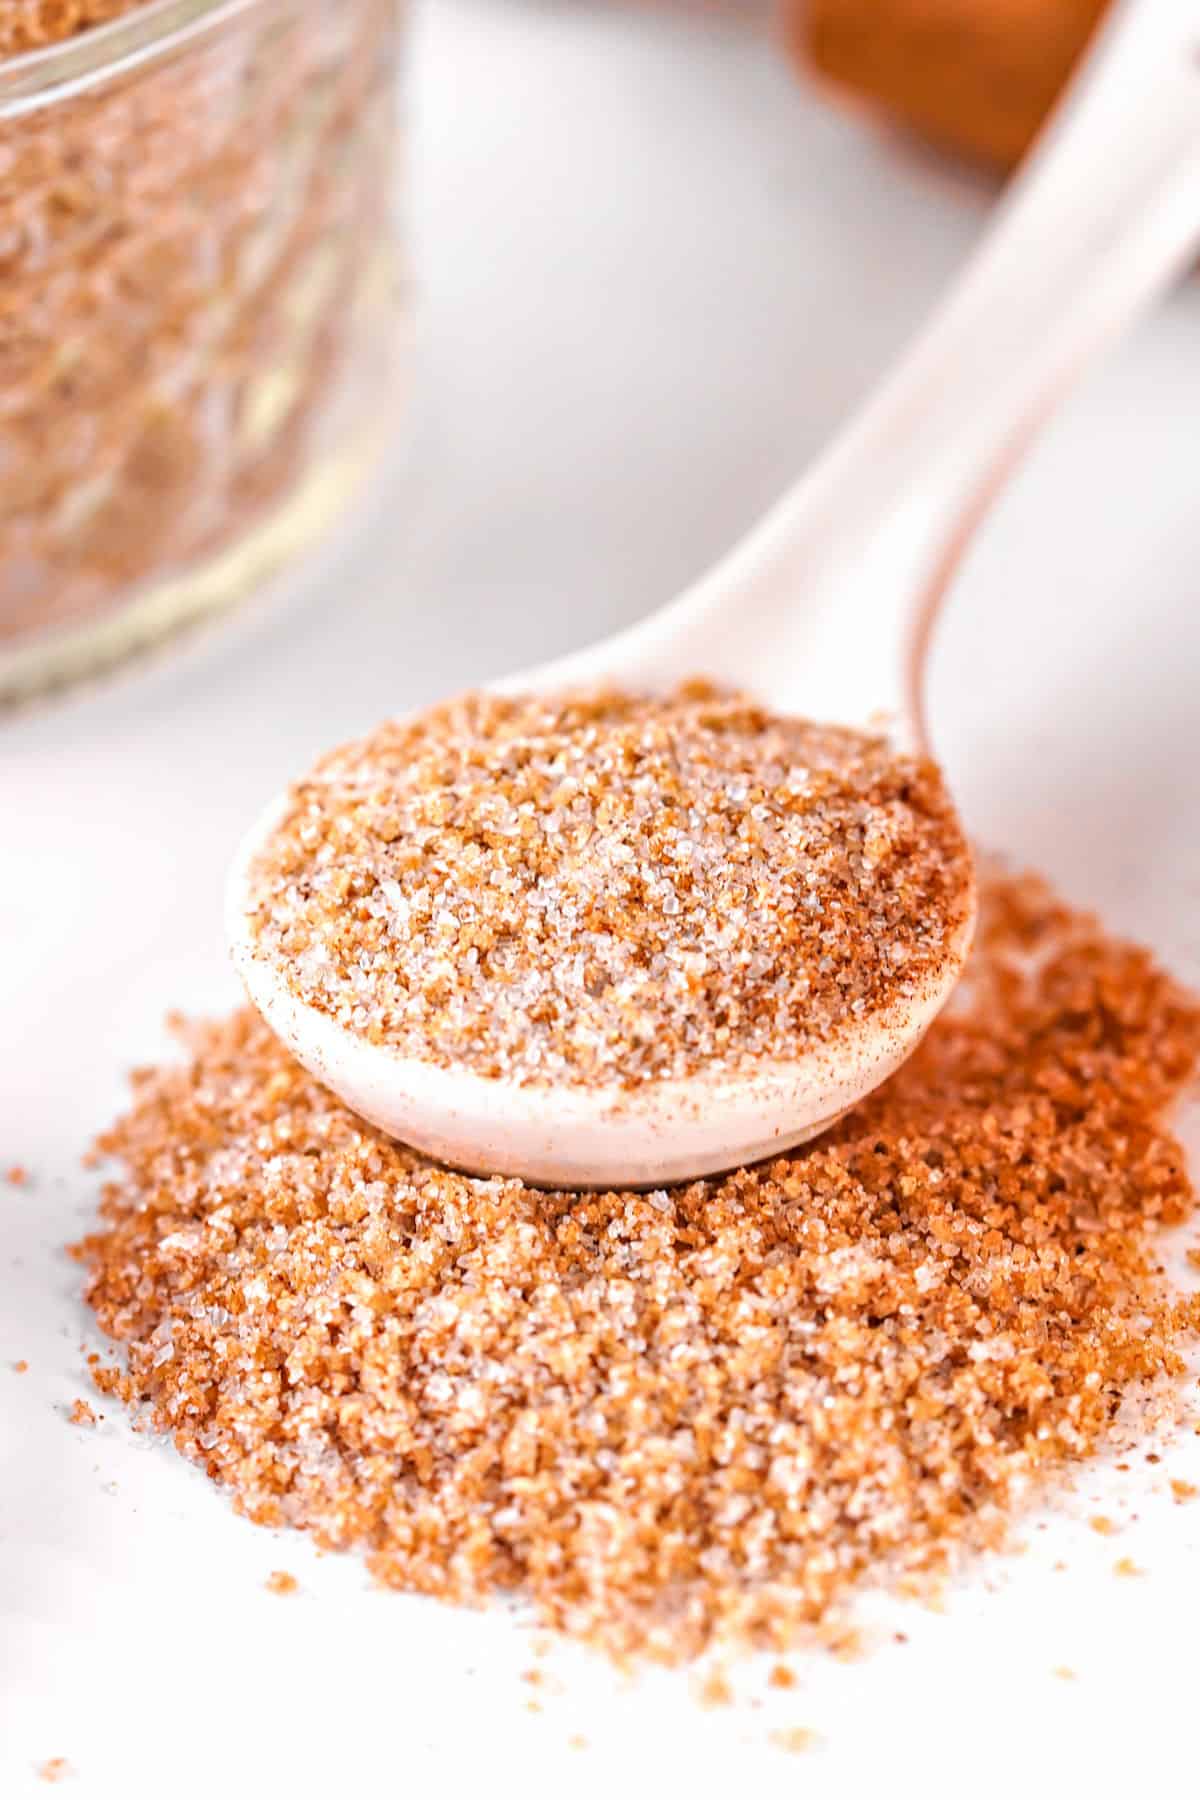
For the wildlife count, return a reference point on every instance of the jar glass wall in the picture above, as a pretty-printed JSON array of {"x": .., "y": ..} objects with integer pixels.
[{"x": 198, "y": 312}]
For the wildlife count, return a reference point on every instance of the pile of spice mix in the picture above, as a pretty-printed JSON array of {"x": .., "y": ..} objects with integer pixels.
[{"x": 677, "y": 1419}]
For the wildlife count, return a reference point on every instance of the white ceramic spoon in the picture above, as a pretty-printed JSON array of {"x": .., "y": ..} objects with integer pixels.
[{"x": 825, "y": 609}]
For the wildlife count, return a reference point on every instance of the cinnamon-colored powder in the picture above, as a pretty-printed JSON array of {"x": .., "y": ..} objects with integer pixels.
[
  {"x": 675, "y": 1417},
  {"x": 607, "y": 887}
]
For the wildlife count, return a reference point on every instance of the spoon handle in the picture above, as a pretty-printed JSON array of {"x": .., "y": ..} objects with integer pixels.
[{"x": 826, "y": 605}]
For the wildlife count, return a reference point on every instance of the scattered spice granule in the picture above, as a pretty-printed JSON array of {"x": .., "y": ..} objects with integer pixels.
[
  {"x": 17, "y": 1176},
  {"x": 534, "y": 1706},
  {"x": 21, "y": 1368},
  {"x": 1106, "y": 1527},
  {"x": 794, "y": 1738},
  {"x": 1064, "y": 1673},
  {"x": 843, "y": 1643},
  {"x": 700, "y": 1415},
  {"x": 781, "y": 1677},
  {"x": 1125, "y": 1565},
  {"x": 1184, "y": 1490},
  {"x": 533, "y": 1677},
  {"x": 575, "y": 1742},
  {"x": 715, "y": 1689},
  {"x": 280, "y": 1582},
  {"x": 82, "y": 1414},
  {"x": 607, "y": 887},
  {"x": 55, "y": 1768}
]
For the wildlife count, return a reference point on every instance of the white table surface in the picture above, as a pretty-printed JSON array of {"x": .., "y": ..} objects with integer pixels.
[{"x": 653, "y": 275}]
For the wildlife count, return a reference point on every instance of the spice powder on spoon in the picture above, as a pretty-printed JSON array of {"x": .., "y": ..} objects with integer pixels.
[{"x": 611, "y": 888}]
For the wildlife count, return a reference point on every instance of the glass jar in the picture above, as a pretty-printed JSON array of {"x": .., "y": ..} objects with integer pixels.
[{"x": 198, "y": 311}]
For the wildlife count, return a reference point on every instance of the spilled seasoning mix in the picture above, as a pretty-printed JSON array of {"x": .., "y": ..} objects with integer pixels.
[
  {"x": 606, "y": 887},
  {"x": 667, "y": 1418}
]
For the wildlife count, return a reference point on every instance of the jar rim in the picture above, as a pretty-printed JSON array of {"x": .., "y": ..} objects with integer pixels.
[{"x": 39, "y": 78}]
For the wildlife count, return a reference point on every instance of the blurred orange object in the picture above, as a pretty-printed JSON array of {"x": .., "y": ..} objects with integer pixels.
[{"x": 974, "y": 76}]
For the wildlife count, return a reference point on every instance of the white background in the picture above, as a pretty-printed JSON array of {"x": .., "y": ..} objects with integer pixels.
[{"x": 652, "y": 274}]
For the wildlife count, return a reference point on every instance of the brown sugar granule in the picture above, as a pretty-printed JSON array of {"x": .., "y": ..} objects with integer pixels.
[
  {"x": 1064, "y": 1673},
  {"x": 280, "y": 1582},
  {"x": 1184, "y": 1490},
  {"x": 842, "y": 1641},
  {"x": 794, "y": 1738},
  {"x": 673, "y": 1418},
  {"x": 55, "y": 1768},
  {"x": 1126, "y": 1566},
  {"x": 715, "y": 1690},
  {"x": 606, "y": 887},
  {"x": 82, "y": 1414},
  {"x": 1099, "y": 1522},
  {"x": 781, "y": 1677}
]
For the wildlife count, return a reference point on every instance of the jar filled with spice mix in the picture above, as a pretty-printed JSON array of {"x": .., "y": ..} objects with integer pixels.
[{"x": 198, "y": 305}]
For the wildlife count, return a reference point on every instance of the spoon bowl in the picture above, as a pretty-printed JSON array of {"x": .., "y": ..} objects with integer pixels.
[{"x": 595, "y": 1136}]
